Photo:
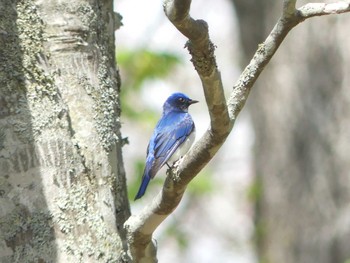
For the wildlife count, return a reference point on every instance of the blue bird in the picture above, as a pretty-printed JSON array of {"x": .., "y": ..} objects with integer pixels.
[{"x": 171, "y": 139}]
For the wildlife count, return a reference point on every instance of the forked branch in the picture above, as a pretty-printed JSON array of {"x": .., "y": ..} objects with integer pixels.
[{"x": 222, "y": 113}]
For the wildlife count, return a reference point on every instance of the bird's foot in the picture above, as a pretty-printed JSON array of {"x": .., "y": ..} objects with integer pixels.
[
  {"x": 178, "y": 162},
  {"x": 174, "y": 171}
]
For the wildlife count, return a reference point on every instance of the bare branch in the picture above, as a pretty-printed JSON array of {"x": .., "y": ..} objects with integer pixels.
[
  {"x": 267, "y": 49},
  {"x": 321, "y": 9},
  {"x": 261, "y": 58},
  {"x": 222, "y": 116},
  {"x": 203, "y": 58},
  {"x": 178, "y": 14}
]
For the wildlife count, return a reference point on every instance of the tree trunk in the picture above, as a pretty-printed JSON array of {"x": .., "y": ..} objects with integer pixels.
[
  {"x": 301, "y": 114},
  {"x": 62, "y": 183}
]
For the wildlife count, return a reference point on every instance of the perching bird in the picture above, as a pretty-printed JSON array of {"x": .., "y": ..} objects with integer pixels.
[{"x": 171, "y": 139}]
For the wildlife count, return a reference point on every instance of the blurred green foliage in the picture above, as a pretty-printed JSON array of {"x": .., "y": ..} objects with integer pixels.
[
  {"x": 137, "y": 67},
  {"x": 255, "y": 190},
  {"x": 202, "y": 184},
  {"x": 134, "y": 184},
  {"x": 175, "y": 231},
  {"x": 143, "y": 64}
]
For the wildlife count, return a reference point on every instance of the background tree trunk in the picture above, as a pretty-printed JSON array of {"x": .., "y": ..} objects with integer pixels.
[
  {"x": 301, "y": 114},
  {"x": 62, "y": 183}
]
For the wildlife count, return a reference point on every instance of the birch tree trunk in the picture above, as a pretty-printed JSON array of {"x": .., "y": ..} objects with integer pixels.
[
  {"x": 301, "y": 115},
  {"x": 62, "y": 183}
]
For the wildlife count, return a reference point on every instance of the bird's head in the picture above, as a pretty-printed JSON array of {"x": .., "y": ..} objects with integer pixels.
[{"x": 178, "y": 102}]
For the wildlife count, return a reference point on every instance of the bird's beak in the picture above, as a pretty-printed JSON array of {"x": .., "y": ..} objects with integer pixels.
[{"x": 193, "y": 101}]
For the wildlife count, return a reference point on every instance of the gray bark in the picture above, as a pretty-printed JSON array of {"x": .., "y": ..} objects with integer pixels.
[
  {"x": 301, "y": 116},
  {"x": 62, "y": 183}
]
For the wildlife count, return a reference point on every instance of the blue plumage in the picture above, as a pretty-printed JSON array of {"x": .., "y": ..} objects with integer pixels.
[{"x": 171, "y": 139}]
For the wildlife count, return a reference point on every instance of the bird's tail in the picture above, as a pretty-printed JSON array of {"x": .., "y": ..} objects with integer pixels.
[
  {"x": 148, "y": 174},
  {"x": 145, "y": 180}
]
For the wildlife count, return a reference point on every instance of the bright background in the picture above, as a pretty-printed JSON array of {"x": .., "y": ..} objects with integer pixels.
[{"x": 214, "y": 222}]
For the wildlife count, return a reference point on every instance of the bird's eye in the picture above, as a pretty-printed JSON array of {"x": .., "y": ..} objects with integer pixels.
[{"x": 181, "y": 99}]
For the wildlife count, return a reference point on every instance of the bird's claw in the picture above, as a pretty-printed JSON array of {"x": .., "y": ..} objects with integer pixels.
[{"x": 173, "y": 170}]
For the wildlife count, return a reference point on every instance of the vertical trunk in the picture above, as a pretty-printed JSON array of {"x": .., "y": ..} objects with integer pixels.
[
  {"x": 62, "y": 183},
  {"x": 301, "y": 114}
]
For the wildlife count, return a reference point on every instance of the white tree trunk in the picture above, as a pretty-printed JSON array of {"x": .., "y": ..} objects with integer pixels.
[{"x": 62, "y": 184}]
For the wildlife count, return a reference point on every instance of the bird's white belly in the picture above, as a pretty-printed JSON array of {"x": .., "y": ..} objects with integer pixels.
[{"x": 183, "y": 148}]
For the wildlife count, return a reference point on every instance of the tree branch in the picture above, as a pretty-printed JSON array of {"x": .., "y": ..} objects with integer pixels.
[
  {"x": 321, "y": 9},
  {"x": 222, "y": 115}
]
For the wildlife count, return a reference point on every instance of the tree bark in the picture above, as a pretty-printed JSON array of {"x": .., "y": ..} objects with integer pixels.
[
  {"x": 62, "y": 183},
  {"x": 301, "y": 117}
]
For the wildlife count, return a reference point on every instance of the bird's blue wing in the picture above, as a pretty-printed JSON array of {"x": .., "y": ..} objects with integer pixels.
[{"x": 172, "y": 133}]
